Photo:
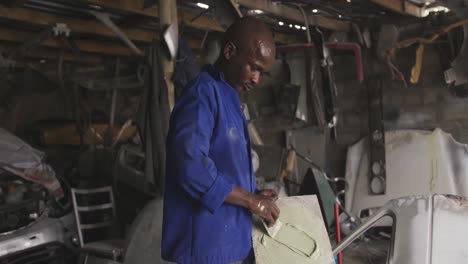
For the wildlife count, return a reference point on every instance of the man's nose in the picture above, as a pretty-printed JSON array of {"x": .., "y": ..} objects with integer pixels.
[{"x": 255, "y": 78}]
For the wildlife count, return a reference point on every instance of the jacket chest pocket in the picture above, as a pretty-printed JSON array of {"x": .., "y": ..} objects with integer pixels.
[{"x": 235, "y": 134}]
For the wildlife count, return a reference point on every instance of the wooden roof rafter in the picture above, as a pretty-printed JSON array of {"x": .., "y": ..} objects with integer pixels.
[
  {"x": 121, "y": 8},
  {"x": 293, "y": 14},
  {"x": 91, "y": 46}
]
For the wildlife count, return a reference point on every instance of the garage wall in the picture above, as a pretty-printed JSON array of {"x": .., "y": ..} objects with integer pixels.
[{"x": 426, "y": 105}]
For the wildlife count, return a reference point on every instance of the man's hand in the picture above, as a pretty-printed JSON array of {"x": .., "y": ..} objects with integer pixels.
[
  {"x": 263, "y": 205},
  {"x": 270, "y": 193}
]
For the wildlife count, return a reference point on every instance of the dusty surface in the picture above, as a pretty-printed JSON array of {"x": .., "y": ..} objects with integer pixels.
[{"x": 304, "y": 213}]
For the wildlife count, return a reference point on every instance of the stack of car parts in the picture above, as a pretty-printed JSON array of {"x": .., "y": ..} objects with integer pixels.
[{"x": 35, "y": 226}]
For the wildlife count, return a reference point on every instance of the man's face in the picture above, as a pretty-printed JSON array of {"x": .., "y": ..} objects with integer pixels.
[{"x": 245, "y": 66}]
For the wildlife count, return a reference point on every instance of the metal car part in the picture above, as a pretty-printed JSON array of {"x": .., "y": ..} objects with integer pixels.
[
  {"x": 457, "y": 74},
  {"x": 351, "y": 46},
  {"x": 44, "y": 231},
  {"x": 20, "y": 205},
  {"x": 325, "y": 112},
  {"x": 377, "y": 174},
  {"x": 328, "y": 82},
  {"x": 130, "y": 169},
  {"x": 417, "y": 163},
  {"x": 426, "y": 229}
]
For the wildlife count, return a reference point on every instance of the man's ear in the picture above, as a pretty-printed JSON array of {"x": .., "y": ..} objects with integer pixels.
[{"x": 229, "y": 50}]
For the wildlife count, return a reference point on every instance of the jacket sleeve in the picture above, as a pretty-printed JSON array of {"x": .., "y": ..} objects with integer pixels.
[{"x": 188, "y": 147}]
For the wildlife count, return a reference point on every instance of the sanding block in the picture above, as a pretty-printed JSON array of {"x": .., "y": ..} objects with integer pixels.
[{"x": 272, "y": 231}]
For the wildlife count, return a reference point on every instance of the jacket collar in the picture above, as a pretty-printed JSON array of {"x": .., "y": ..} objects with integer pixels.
[{"x": 214, "y": 72}]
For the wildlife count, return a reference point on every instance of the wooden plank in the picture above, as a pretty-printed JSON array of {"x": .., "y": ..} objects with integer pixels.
[
  {"x": 39, "y": 53},
  {"x": 294, "y": 14},
  {"x": 83, "y": 45},
  {"x": 76, "y": 25},
  {"x": 129, "y": 6},
  {"x": 209, "y": 23},
  {"x": 95, "y": 27},
  {"x": 402, "y": 7},
  {"x": 203, "y": 22},
  {"x": 13, "y": 2},
  {"x": 289, "y": 38},
  {"x": 42, "y": 19},
  {"x": 95, "y": 134}
]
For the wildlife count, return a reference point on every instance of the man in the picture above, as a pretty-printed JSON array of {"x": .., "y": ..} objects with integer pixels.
[{"x": 210, "y": 193}]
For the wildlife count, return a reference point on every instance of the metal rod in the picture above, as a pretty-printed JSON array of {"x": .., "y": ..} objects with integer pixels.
[
  {"x": 114, "y": 96},
  {"x": 105, "y": 19},
  {"x": 306, "y": 21},
  {"x": 338, "y": 230},
  {"x": 362, "y": 228}
]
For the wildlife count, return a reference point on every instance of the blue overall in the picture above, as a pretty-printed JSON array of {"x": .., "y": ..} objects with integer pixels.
[{"x": 208, "y": 153}]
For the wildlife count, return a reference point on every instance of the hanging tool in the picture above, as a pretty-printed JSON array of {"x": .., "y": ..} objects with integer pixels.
[
  {"x": 289, "y": 166},
  {"x": 416, "y": 70}
]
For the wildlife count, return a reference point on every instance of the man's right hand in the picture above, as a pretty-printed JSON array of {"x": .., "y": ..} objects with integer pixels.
[
  {"x": 265, "y": 207},
  {"x": 262, "y": 204}
]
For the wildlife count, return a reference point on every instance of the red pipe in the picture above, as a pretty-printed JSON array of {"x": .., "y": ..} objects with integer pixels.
[
  {"x": 338, "y": 231},
  {"x": 354, "y": 47}
]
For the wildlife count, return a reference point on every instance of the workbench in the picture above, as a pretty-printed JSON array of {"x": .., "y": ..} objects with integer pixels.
[{"x": 310, "y": 220}]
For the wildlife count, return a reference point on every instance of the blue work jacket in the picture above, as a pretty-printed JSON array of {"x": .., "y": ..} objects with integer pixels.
[{"x": 208, "y": 153}]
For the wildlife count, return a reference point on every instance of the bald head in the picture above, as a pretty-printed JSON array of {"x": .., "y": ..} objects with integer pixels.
[
  {"x": 248, "y": 50},
  {"x": 247, "y": 31}
]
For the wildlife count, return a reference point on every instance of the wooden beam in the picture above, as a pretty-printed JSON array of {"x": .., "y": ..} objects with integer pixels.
[
  {"x": 13, "y": 2},
  {"x": 12, "y": 35},
  {"x": 44, "y": 20},
  {"x": 49, "y": 54},
  {"x": 294, "y": 14},
  {"x": 403, "y": 7},
  {"x": 289, "y": 38},
  {"x": 76, "y": 25},
  {"x": 185, "y": 17},
  {"x": 129, "y": 6},
  {"x": 202, "y": 22},
  {"x": 210, "y": 23}
]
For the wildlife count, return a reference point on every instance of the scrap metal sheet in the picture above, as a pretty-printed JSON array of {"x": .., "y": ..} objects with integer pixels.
[{"x": 417, "y": 163}]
